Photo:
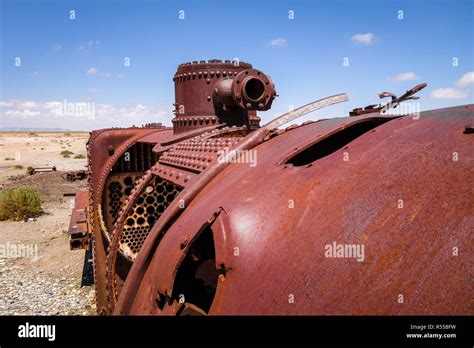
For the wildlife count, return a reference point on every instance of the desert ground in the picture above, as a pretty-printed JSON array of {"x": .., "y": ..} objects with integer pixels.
[
  {"x": 50, "y": 279},
  {"x": 40, "y": 149}
]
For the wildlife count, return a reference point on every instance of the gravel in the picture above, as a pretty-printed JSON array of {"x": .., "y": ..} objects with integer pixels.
[
  {"x": 24, "y": 293},
  {"x": 52, "y": 283}
]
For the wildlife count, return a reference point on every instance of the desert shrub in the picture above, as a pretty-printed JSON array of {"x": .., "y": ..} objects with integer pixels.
[
  {"x": 18, "y": 166},
  {"x": 19, "y": 203},
  {"x": 80, "y": 156},
  {"x": 32, "y": 134},
  {"x": 66, "y": 153},
  {"x": 9, "y": 159}
]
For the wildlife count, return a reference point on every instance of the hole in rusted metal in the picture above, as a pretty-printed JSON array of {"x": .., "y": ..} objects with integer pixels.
[
  {"x": 161, "y": 301},
  {"x": 128, "y": 180},
  {"x": 254, "y": 89},
  {"x": 333, "y": 142},
  {"x": 76, "y": 244},
  {"x": 197, "y": 275}
]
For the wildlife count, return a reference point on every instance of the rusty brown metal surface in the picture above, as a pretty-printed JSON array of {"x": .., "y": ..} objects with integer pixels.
[
  {"x": 213, "y": 93},
  {"x": 217, "y": 166},
  {"x": 394, "y": 102},
  {"x": 180, "y": 226},
  {"x": 178, "y": 168},
  {"x": 408, "y": 250},
  {"x": 105, "y": 149},
  {"x": 78, "y": 225},
  {"x": 75, "y": 175},
  {"x": 34, "y": 170}
]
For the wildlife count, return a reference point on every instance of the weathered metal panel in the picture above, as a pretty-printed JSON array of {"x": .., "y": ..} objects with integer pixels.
[
  {"x": 78, "y": 225},
  {"x": 395, "y": 186},
  {"x": 408, "y": 251}
]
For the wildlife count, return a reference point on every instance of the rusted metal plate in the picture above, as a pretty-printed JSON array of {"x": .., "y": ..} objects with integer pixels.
[
  {"x": 196, "y": 154},
  {"x": 185, "y": 160},
  {"x": 394, "y": 102},
  {"x": 105, "y": 148},
  {"x": 213, "y": 93},
  {"x": 78, "y": 225},
  {"x": 282, "y": 218},
  {"x": 31, "y": 170}
]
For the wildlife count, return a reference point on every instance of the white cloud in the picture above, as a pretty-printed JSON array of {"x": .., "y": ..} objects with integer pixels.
[
  {"x": 29, "y": 105},
  {"x": 364, "y": 39},
  {"x": 51, "y": 114},
  {"x": 408, "y": 76},
  {"x": 22, "y": 113},
  {"x": 449, "y": 93},
  {"x": 20, "y": 104},
  {"x": 455, "y": 93},
  {"x": 92, "y": 71},
  {"x": 466, "y": 79},
  {"x": 52, "y": 105},
  {"x": 16, "y": 107},
  {"x": 278, "y": 43},
  {"x": 96, "y": 72},
  {"x": 5, "y": 104}
]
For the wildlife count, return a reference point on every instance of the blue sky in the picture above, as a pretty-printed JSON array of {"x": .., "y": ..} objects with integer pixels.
[{"x": 82, "y": 60}]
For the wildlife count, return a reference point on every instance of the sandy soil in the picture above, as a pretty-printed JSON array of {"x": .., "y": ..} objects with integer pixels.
[
  {"x": 40, "y": 149},
  {"x": 56, "y": 273}
]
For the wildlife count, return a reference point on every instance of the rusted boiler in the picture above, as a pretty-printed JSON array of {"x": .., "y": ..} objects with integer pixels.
[{"x": 366, "y": 214}]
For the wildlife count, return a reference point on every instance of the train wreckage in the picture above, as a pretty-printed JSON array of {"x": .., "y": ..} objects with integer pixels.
[{"x": 179, "y": 225}]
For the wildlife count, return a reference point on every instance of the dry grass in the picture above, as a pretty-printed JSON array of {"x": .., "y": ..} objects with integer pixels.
[
  {"x": 66, "y": 153},
  {"x": 19, "y": 203}
]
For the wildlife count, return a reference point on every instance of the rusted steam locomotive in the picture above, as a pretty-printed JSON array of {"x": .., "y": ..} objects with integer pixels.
[{"x": 366, "y": 214}]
